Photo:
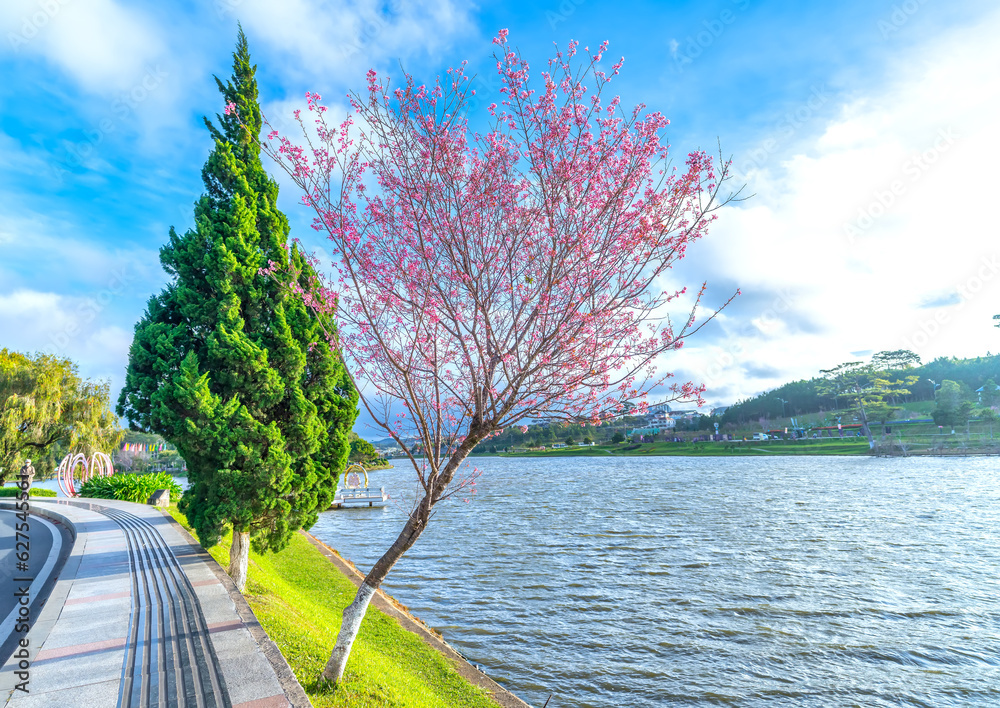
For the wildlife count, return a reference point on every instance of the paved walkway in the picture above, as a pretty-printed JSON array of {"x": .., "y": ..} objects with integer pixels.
[
  {"x": 140, "y": 615},
  {"x": 47, "y": 543}
]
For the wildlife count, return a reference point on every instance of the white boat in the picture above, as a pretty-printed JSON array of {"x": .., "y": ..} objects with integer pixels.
[{"x": 354, "y": 496}]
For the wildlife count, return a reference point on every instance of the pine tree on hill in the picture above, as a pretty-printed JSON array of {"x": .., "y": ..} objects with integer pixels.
[{"x": 223, "y": 363}]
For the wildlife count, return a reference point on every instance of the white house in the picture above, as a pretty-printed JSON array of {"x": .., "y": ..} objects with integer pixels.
[{"x": 663, "y": 420}]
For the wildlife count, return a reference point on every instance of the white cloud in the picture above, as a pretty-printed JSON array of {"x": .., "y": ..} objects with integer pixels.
[
  {"x": 343, "y": 39},
  {"x": 865, "y": 223},
  {"x": 63, "y": 294},
  {"x": 105, "y": 47},
  {"x": 54, "y": 250},
  {"x": 70, "y": 327}
]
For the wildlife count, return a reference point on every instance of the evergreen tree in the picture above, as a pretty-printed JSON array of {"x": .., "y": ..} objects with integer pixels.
[
  {"x": 362, "y": 450},
  {"x": 232, "y": 367},
  {"x": 990, "y": 394},
  {"x": 954, "y": 406}
]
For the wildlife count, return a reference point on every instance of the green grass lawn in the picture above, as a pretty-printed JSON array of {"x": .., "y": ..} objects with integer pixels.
[
  {"x": 15, "y": 491},
  {"x": 298, "y": 597},
  {"x": 847, "y": 446},
  {"x": 918, "y": 438}
]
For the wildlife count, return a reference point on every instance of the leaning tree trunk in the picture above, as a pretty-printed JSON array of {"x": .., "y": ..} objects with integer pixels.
[
  {"x": 415, "y": 525},
  {"x": 239, "y": 558},
  {"x": 355, "y": 612},
  {"x": 865, "y": 428}
]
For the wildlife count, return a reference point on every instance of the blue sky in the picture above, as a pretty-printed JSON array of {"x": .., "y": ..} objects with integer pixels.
[{"x": 866, "y": 130}]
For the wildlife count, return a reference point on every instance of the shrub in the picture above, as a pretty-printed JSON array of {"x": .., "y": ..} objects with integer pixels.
[
  {"x": 130, "y": 487},
  {"x": 35, "y": 492}
]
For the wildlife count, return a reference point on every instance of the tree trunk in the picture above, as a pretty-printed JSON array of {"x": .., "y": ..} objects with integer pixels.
[
  {"x": 239, "y": 558},
  {"x": 355, "y": 612},
  {"x": 415, "y": 525},
  {"x": 865, "y": 428}
]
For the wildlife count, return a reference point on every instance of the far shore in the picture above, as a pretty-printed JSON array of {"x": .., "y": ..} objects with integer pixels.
[{"x": 754, "y": 448}]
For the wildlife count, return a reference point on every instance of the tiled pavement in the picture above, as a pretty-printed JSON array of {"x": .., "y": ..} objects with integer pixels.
[{"x": 141, "y": 616}]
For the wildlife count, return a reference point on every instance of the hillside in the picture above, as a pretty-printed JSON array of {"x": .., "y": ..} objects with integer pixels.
[{"x": 802, "y": 398}]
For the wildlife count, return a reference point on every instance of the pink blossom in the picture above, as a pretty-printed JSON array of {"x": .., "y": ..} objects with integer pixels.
[{"x": 484, "y": 279}]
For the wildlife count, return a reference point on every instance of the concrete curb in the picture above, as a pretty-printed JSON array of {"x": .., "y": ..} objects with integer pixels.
[
  {"x": 286, "y": 677},
  {"x": 47, "y": 513},
  {"x": 86, "y": 626},
  {"x": 54, "y": 593},
  {"x": 388, "y": 605}
]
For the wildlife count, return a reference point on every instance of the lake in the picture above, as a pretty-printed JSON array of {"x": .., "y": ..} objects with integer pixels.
[{"x": 822, "y": 581}]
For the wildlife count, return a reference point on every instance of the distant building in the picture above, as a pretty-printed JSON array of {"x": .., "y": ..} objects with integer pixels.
[
  {"x": 662, "y": 420},
  {"x": 719, "y": 410},
  {"x": 662, "y": 407},
  {"x": 980, "y": 390}
]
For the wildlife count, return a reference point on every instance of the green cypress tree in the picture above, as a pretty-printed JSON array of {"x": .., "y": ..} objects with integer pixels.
[{"x": 230, "y": 365}]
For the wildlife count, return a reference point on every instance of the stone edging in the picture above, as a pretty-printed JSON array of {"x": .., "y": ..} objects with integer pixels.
[
  {"x": 388, "y": 605},
  {"x": 56, "y": 589},
  {"x": 42, "y": 511},
  {"x": 286, "y": 677}
]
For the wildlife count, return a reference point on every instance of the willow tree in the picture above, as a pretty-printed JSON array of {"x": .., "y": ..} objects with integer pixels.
[
  {"x": 488, "y": 279},
  {"x": 44, "y": 402},
  {"x": 224, "y": 363}
]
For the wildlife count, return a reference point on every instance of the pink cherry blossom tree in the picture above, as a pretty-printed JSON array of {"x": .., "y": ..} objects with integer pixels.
[{"x": 487, "y": 278}]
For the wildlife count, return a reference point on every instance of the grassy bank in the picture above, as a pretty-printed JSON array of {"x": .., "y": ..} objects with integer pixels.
[
  {"x": 711, "y": 449},
  {"x": 33, "y": 492},
  {"x": 298, "y": 597}
]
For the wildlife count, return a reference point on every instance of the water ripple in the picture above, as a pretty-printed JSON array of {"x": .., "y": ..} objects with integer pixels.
[{"x": 711, "y": 582}]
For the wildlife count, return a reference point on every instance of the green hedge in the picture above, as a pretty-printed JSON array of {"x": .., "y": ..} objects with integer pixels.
[
  {"x": 130, "y": 487},
  {"x": 35, "y": 492}
]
